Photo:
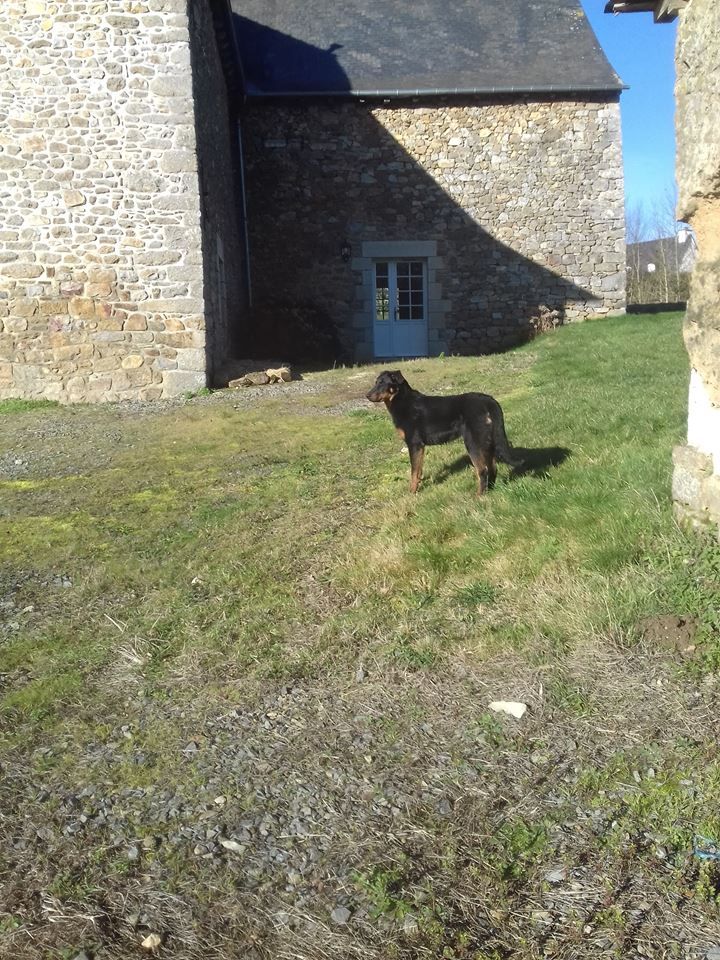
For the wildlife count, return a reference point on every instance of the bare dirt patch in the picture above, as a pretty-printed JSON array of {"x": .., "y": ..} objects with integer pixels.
[{"x": 670, "y": 632}]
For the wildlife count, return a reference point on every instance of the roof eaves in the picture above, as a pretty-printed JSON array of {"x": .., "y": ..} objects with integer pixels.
[
  {"x": 663, "y": 11},
  {"x": 229, "y": 50}
]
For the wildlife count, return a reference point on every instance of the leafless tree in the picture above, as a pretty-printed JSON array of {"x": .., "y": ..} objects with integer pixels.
[
  {"x": 664, "y": 229},
  {"x": 635, "y": 226},
  {"x": 665, "y": 283}
]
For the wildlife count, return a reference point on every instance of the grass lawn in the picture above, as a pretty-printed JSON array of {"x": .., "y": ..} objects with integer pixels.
[{"x": 232, "y": 608}]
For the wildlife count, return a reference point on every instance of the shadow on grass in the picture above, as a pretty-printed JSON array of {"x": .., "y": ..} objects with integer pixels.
[{"x": 536, "y": 462}]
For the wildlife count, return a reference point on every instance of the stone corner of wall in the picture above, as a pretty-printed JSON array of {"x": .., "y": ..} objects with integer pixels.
[
  {"x": 695, "y": 489},
  {"x": 702, "y": 523}
]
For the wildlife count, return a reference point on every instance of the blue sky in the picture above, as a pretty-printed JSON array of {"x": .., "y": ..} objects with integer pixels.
[{"x": 642, "y": 53}]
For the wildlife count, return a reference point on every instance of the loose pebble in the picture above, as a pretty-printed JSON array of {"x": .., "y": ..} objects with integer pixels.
[{"x": 340, "y": 915}]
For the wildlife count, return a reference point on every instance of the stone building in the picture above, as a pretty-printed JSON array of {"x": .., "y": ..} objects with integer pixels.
[
  {"x": 435, "y": 176},
  {"x": 182, "y": 181},
  {"x": 122, "y": 267},
  {"x": 696, "y": 477}
]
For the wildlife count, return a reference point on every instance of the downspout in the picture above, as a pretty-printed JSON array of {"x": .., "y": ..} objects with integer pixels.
[
  {"x": 238, "y": 99},
  {"x": 243, "y": 207}
]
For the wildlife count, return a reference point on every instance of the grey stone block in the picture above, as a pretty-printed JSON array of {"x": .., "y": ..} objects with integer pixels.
[{"x": 177, "y": 382}]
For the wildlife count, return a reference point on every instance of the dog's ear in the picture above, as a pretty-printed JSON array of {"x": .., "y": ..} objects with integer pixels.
[{"x": 397, "y": 377}]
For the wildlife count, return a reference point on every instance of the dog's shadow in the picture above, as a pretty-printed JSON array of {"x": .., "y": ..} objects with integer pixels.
[{"x": 536, "y": 462}]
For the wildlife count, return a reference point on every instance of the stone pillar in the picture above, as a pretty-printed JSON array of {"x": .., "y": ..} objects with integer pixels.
[
  {"x": 696, "y": 478},
  {"x": 101, "y": 282}
]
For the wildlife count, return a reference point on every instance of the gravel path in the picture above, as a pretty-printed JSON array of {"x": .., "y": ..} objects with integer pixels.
[
  {"x": 311, "y": 821},
  {"x": 72, "y": 440}
]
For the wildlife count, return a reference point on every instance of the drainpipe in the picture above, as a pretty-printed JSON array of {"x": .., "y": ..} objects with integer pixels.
[{"x": 243, "y": 201}]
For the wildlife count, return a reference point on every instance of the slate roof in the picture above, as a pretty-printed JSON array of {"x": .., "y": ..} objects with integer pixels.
[{"x": 418, "y": 47}]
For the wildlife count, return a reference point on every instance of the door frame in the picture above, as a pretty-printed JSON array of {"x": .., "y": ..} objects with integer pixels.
[
  {"x": 365, "y": 253},
  {"x": 387, "y": 340}
]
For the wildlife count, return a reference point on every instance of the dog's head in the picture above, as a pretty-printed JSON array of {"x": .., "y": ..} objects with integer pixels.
[{"x": 386, "y": 386}]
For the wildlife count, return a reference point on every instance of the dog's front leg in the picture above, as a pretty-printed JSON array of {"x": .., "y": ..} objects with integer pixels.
[{"x": 417, "y": 455}]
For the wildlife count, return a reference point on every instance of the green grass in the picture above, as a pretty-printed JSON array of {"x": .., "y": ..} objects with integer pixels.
[
  {"x": 516, "y": 846},
  {"x": 21, "y": 406},
  {"x": 273, "y": 541},
  {"x": 162, "y": 569},
  {"x": 383, "y": 888},
  {"x": 658, "y": 797}
]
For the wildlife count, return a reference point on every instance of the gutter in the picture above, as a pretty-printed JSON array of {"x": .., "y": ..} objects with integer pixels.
[{"x": 253, "y": 93}]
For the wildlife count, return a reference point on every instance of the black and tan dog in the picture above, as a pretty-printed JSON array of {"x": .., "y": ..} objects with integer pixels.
[{"x": 423, "y": 421}]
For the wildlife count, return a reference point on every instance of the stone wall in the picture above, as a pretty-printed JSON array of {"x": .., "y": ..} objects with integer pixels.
[
  {"x": 523, "y": 201},
  {"x": 101, "y": 284},
  {"x": 696, "y": 480}
]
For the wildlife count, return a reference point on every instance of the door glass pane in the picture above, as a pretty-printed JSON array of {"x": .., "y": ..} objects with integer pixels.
[
  {"x": 382, "y": 291},
  {"x": 410, "y": 290}
]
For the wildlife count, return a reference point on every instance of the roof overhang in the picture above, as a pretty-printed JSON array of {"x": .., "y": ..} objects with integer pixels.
[{"x": 663, "y": 11}]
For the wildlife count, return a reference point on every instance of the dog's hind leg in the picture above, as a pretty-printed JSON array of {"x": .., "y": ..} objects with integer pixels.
[
  {"x": 492, "y": 472},
  {"x": 480, "y": 461},
  {"x": 417, "y": 456}
]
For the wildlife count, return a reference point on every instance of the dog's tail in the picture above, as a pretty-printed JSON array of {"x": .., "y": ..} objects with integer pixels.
[{"x": 503, "y": 450}]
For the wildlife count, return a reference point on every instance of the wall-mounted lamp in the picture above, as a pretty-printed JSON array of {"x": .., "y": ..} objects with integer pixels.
[{"x": 345, "y": 251}]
